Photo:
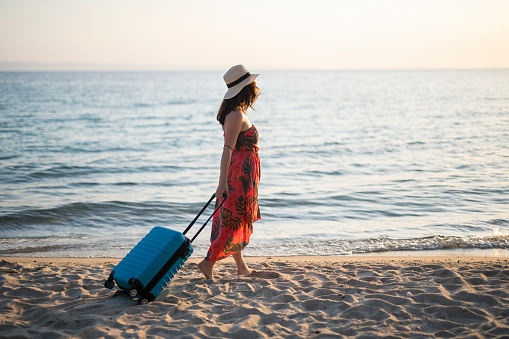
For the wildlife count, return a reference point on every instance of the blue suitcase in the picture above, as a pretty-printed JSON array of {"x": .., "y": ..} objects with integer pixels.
[{"x": 151, "y": 264}]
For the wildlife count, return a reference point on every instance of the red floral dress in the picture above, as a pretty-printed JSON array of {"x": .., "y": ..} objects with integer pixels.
[{"x": 233, "y": 224}]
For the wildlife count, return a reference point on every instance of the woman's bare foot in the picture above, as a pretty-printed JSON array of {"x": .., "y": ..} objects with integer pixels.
[
  {"x": 244, "y": 271},
  {"x": 242, "y": 268},
  {"x": 206, "y": 267}
]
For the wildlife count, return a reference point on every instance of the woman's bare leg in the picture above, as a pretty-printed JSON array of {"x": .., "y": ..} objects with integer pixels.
[
  {"x": 242, "y": 268},
  {"x": 206, "y": 267}
]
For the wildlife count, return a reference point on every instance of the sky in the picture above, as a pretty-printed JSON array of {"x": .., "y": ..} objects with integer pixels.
[{"x": 263, "y": 34}]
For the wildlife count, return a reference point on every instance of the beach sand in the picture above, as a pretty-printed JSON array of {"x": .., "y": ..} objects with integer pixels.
[{"x": 286, "y": 297}]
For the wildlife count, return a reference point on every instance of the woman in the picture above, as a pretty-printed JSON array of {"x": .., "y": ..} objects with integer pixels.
[{"x": 239, "y": 173}]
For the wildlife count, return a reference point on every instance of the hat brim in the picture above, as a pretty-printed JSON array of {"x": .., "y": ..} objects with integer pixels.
[{"x": 237, "y": 88}]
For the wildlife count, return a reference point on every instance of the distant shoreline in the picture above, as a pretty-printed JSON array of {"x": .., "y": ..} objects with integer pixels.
[{"x": 97, "y": 67}]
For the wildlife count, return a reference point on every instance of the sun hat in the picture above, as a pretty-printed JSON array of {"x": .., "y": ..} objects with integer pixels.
[{"x": 236, "y": 78}]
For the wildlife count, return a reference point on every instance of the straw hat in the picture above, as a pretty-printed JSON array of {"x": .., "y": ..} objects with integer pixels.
[{"x": 236, "y": 79}]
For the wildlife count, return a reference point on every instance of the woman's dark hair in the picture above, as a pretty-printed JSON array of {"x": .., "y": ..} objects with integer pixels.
[{"x": 245, "y": 99}]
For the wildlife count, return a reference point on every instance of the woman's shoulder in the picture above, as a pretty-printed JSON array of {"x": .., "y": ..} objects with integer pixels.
[{"x": 235, "y": 115}]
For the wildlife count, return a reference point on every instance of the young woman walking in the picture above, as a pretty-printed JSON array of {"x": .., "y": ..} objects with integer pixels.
[{"x": 239, "y": 173}]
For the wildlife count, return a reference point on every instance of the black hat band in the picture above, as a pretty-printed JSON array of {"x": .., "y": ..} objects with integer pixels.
[{"x": 239, "y": 80}]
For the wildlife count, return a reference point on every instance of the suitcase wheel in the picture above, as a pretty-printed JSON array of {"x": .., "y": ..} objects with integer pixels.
[
  {"x": 132, "y": 292},
  {"x": 142, "y": 301},
  {"x": 119, "y": 293},
  {"x": 109, "y": 284}
]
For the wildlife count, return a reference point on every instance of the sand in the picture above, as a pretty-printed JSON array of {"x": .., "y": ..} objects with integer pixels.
[{"x": 285, "y": 297}]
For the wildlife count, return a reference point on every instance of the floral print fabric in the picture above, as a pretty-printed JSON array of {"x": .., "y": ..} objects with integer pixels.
[{"x": 233, "y": 224}]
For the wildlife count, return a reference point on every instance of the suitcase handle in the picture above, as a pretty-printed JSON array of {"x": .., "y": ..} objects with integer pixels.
[{"x": 225, "y": 196}]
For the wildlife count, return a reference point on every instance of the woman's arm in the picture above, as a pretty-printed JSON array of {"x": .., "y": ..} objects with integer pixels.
[{"x": 232, "y": 126}]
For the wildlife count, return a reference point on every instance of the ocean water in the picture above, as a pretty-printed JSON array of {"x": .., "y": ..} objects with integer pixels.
[{"x": 351, "y": 161}]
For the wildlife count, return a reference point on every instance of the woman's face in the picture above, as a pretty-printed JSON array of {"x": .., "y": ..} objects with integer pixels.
[{"x": 257, "y": 90}]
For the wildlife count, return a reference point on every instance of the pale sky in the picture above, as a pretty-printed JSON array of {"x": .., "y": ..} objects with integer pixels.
[{"x": 262, "y": 34}]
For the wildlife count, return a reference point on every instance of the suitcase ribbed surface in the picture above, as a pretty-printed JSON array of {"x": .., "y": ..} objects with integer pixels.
[
  {"x": 147, "y": 258},
  {"x": 151, "y": 264}
]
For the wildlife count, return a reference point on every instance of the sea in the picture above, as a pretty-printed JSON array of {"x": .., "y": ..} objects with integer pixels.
[{"x": 351, "y": 161}]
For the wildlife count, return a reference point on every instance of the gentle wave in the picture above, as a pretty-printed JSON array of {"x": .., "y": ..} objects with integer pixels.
[
  {"x": 107, "y": 215},
  {"x": 56, "y": 249},
  {"x": 286, "y": 247},
  {"x": 33, "y": 173},
  {"x": 293, "y": 247},
  {"x": 433, "y": 243}
]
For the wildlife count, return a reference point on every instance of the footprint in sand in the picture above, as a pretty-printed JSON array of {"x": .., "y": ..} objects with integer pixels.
[{"x": 265, "y": 274}]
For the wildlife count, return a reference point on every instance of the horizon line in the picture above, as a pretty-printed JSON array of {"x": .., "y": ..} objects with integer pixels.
[{"x": 106, "y": 67}]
